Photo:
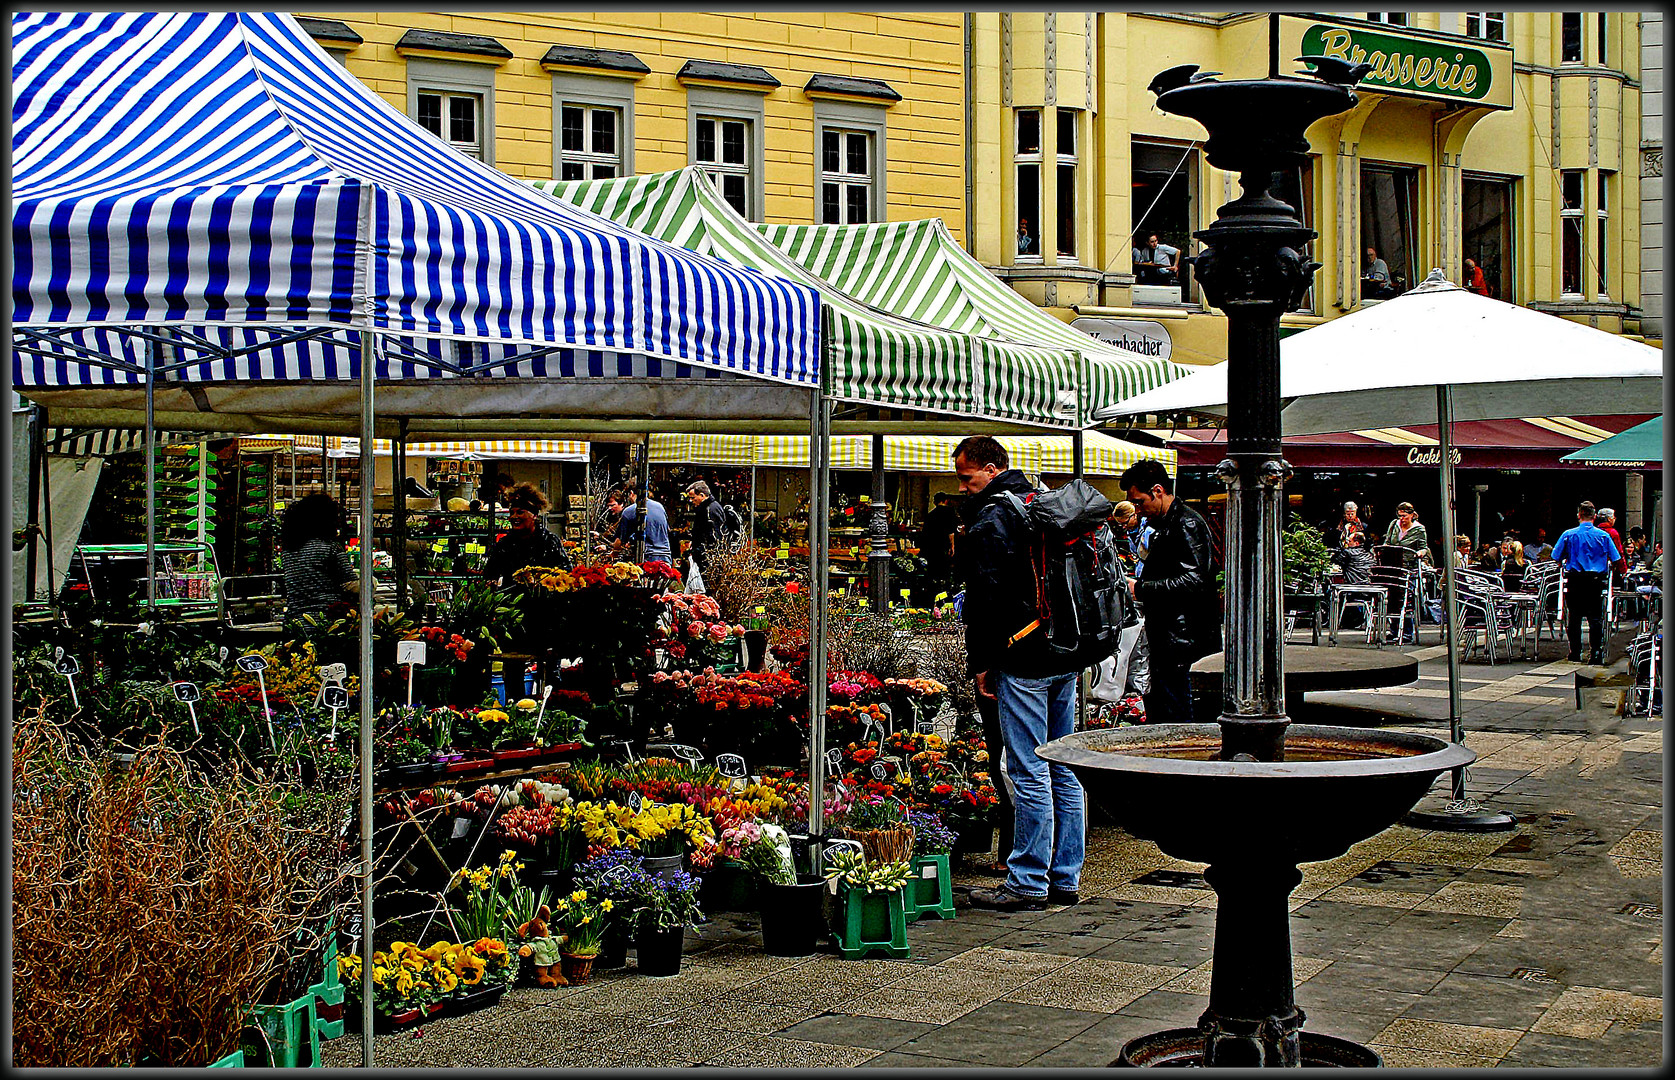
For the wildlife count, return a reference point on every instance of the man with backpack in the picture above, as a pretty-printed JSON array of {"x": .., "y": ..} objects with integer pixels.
[
  {"x": 1177, "y": 593},
  {"x": 1042, "y": 601},
  {"x": 710, "y": 531}
]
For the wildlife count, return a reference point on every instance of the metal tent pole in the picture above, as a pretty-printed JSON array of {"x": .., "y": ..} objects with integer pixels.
[
  {"x": 1077, "y": 462},
  {"x": 37, "y": 465},
  {"x": 819, "y": 461},
  {"x": 150, "y": 474},
  {"x": 370, "y": 344},
  {"x": 641, "y": 494},
  {"x": 1462, "y": 814},
  {"x": 398, "y": 504},
  {"x": 878, "y": 531}
]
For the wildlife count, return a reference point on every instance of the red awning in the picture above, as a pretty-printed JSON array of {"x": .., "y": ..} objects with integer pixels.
[{"x": 1535, "y": 443}]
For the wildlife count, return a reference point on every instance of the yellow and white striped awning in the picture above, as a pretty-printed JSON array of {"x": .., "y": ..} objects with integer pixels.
[{"x": 1102, "y": 454}]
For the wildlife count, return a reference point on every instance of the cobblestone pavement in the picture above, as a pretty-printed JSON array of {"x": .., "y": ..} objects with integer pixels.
[{"x": 1541, "y": 946}]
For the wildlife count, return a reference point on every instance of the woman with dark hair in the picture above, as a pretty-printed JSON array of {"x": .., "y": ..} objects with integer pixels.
[{"x": 318, "y": 572}]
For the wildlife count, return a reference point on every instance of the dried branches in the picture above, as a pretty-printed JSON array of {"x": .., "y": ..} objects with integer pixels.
[{"x": 152, "y": 904}]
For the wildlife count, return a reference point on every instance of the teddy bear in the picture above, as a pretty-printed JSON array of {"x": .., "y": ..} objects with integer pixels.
[{"x": 542, "y": 949}]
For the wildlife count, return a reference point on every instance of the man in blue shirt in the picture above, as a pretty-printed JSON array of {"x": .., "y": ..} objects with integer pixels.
[
  {"x": 1587, "y": 553},
  {"x": 657, "y": 524}
]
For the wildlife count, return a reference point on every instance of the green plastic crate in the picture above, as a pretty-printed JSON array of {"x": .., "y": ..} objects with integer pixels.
[
  {"x": 328, "y": 1009},
  {"x": 234, "y": 1060},
  {"x": 285, "y": 1036},
  {"x": 871, "y": 922},
  {"x": 930, "y": 891}
]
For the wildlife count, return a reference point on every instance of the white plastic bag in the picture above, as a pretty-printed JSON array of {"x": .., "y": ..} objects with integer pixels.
[
  {"x": 1139, "y": 660},
  {"x": 694, "y": 576}
]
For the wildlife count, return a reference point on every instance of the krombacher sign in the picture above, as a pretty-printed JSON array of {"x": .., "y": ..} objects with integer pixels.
[{"x": 1404, "y": 64}]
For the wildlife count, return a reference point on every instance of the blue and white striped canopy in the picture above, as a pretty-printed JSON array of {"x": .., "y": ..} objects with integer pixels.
[{"x": 216, "y": 181}]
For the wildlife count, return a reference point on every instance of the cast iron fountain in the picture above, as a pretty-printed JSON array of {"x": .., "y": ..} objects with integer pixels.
[{"x": 1253, "y": 795}]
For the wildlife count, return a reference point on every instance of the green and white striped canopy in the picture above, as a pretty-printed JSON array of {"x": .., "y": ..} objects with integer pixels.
[
  {"x": 877, "y": 357},
  {"x": 915, "y": 269}
]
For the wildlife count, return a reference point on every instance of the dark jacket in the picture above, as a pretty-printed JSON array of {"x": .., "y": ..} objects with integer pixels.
[
  {"x": 1178, "y": 590},
  {"x": 994, "y": 562},
  {"x": 515, "y": 550},
  {"x": 709, "y": 531}
]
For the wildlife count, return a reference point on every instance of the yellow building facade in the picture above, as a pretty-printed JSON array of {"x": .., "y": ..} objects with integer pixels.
[
  {"x": 801, "y": 116},
  {"x": 1511, "y": 139}
]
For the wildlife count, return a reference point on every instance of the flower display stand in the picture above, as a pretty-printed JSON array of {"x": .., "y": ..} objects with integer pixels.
[
  {"x": 874, "y": 922},
  {"x": 328, "y": 993},
  {"x": 930, "y": 891},
  {"x": 288, "y": 1035}
]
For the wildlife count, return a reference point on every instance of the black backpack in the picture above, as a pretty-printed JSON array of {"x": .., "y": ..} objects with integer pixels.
[
  {"x": 1082, "y": 600},
  {"x": 732, "y": 530}
]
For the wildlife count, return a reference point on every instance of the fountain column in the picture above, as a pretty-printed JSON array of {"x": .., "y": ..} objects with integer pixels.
[{"x": 1252, "y": 271}]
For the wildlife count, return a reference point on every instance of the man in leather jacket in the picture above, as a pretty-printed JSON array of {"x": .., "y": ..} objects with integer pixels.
[
  {"x": 1178, "y": 594},
  {"x": 1035, "y": 694}
]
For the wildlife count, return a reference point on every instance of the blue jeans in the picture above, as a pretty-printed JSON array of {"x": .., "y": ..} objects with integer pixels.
[{"x": 1049, "y": 833}]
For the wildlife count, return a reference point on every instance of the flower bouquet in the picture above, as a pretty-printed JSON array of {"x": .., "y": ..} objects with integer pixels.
[{"x": 883, "y": 829}]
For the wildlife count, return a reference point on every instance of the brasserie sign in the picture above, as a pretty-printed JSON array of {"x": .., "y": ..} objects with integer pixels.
[{"x": 1413, "y": 65}]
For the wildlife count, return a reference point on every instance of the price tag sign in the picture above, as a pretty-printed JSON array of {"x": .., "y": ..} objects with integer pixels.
[
  {"x": 334, "y": 673},
  {"x": 475, "y": 548},
  {"x": 866, "y": 498},
  {"x": 410, "y": 652},
  {"x": 834, "y": 759},
  {"x": 67, "y": 665},
  {"x": 760, "y": 609},
  {"x": 439, "y": 546},
  {"x": 942, "y": 596},
  {"x": 252, "y": 663},
  {"x": 620, "y": 875},
  {"x": 635, "y": 801},
  {"x": 730, "y": 766},
  {"x": 186, "y": 692},
  {"x": 863, "y": 601},
  {"x": 336, "y": 697},
  {"x": 906, "y": 593},
  {"x": 924, "y": 727},
  {"x": 686, "y": 753}
]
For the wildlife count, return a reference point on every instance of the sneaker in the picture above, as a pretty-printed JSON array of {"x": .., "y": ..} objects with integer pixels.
[
  {"x": 1003, "y": 899},
  {"x": 1067, "y": 897}
]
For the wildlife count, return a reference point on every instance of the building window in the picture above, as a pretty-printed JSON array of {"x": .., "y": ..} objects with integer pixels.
[
  {"x": 1388, "y": 238},
  {"x": 1295, "y": 188},
  {"x": 1604, "y": 56},
  {"x": 1486, "y": 231},
  {"x": 1165, "y": 194},
  {"x": 846, "y": 169},
  {"x": 1067, "y": 160},
  {"x": 1603, "y": 216},
  {"x": 1026, "y": 156},
  {"x": 1570, "y": 228},
  {"x": 589, "y": 142},
  {"x": 1488, "y": 25},
  {"x": 722, "y": 150},
  {"x": 1570, "y": 37},
  {"x": 1394, "y": 18},
  {"x": 455, "y": 102},
  {"x": 456, "y": 119}
]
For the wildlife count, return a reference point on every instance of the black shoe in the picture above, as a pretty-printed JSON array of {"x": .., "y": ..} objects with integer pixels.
[
  {"x": 1575, "y": 658},
  {"x": 1002, "y": 899},
  {"x": 1067, "y": 897}
]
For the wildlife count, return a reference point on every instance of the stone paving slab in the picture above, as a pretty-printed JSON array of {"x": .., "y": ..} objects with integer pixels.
[{"x": 1539, "y": 946}]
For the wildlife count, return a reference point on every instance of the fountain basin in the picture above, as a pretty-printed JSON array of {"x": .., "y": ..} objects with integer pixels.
[{"x": 1336, "y": 787}]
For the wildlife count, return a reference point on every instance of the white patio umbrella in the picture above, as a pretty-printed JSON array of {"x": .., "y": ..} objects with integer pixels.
[{"x": 1437, "y": 352}]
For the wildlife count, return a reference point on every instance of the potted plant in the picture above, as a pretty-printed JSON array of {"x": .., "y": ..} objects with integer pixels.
[
  {"x": 871, "y": 913},
  {"x": 671, "y": 906},
  {"x": 789, "y": 903},
  {"x": 581, "y": 918},
  {"x": 619, "y": 876},
  {"x": 665, "y": 832},
  {"x": 930, "y": 890}
]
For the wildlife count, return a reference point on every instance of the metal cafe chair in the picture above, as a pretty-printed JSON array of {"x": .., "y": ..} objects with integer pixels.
[
  {"x": 1644, "y": 654},
  {"x": 1482, "y": 620},
  {"x": 1401, "y": 603},
  {"x": 1369, "y": 599}
]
